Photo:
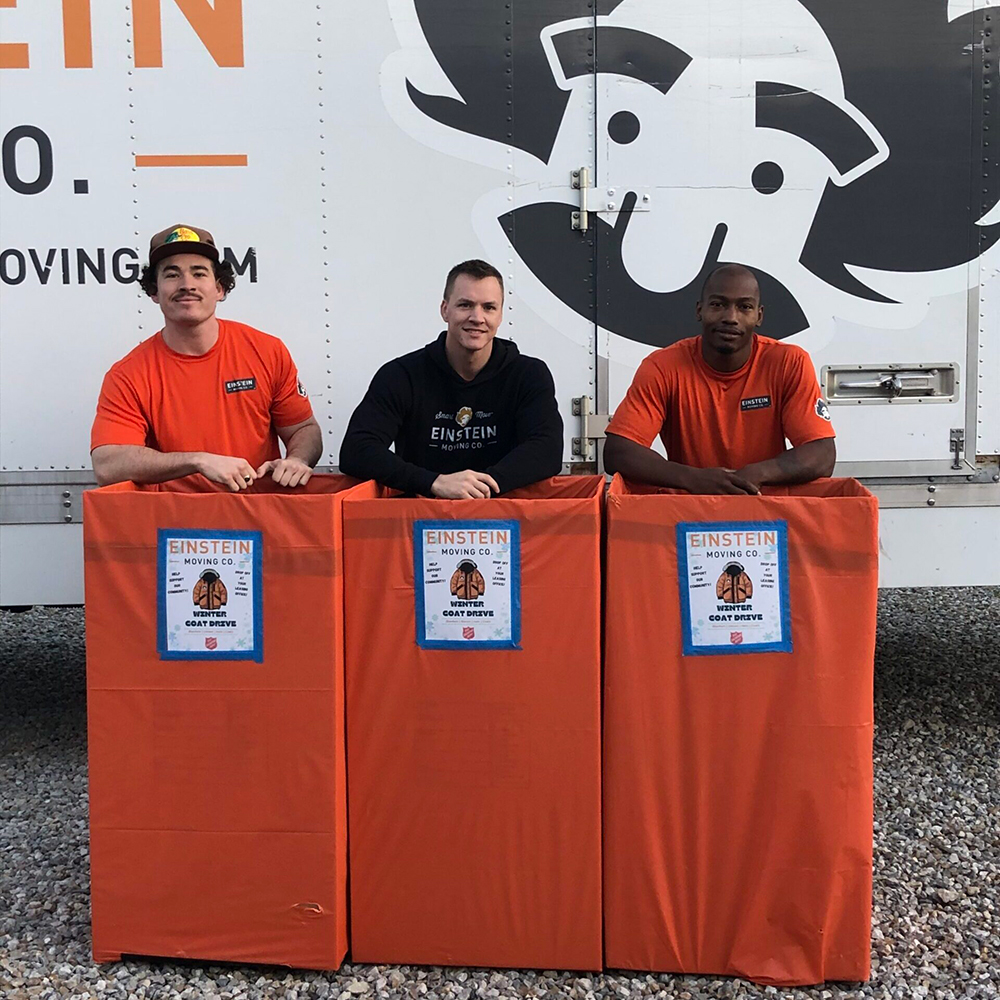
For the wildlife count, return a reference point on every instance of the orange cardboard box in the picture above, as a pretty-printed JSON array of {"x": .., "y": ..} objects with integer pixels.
[
  {"x": 217, "y": 773},
  {"x": 474, "y": 741},
  {"x": 739, "y": 644}
]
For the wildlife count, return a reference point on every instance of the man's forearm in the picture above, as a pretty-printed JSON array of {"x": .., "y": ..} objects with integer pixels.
[
  {"x": 306, "y": 444},
  {"x": 529, "y": 462},
  {"x": 643, "y": 465},
  {"x": 119, "y": 463},
  {"x": 803, "y": 464},
  {"x": 364, "y": 457}
]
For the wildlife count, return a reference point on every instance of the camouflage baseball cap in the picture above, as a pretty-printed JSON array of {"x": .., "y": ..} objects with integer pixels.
[{"x": 182, "y": 239}]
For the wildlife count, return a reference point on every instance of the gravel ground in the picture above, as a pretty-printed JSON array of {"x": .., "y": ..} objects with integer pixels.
[{"x": 936, "y": 930}]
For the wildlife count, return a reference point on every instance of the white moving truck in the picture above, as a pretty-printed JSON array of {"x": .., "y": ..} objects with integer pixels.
[{"x": 605, "y": 154}]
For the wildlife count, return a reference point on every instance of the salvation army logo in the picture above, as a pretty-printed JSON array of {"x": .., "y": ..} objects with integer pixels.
[
  {"x": 733, "y": 585},
  {"x": 467, "y": 583},
  {"x": 464, "y": 416},
  {"x": 209, "y": 592},
  {"x": 782, "y": 134}
]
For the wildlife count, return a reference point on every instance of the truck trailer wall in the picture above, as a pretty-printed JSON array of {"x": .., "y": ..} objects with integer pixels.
[{"x": 603, "y": 157}]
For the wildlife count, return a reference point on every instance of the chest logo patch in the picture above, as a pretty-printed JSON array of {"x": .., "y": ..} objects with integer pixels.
[
  {"x": 755, "y": 403},
  {"x": 463, "y": 416},
  {"x": 241, "y": 384}
]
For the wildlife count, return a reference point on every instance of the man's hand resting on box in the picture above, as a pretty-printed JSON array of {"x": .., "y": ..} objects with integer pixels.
[{"x": 467, "y": 485}]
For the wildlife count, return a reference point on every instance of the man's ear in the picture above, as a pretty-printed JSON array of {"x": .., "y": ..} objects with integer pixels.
[
  {"x": 697, "y": 309},
  {"x": 760, "y": 315},
  {"x": 444, "y": 308}
]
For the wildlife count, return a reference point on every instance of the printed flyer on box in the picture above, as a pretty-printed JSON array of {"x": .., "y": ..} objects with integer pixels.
[
  {"x": 733, "y": 581},
  {"x": 210, "y": 595},
  {"x": 467, "y": 582}
]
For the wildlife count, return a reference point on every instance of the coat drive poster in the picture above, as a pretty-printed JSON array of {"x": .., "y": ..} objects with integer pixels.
[
  {"x": 733, "y": 581},
  {"x": 467, "y": 584},
  {"x": 209, "y": 595}
]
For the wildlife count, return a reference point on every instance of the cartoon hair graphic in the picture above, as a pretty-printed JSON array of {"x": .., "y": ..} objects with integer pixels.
[
  {"x": 526, "y": 114},
  {"x": 919, "y": 89}
]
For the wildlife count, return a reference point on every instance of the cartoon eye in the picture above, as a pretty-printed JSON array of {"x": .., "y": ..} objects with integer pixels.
[
  {"x": 623, "y": 127},
  {"x": 767, "y": 177}
]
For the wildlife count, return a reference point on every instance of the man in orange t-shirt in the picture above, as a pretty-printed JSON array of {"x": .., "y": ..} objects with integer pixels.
[
  {"x": 723, "y": 404},
  {"x": 204, "y": 395}
]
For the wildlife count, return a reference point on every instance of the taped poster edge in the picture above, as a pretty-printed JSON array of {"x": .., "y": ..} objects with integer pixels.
[
  {"x": 514, "y": 642},
  {"x": 690, "y": 649},
  {"x": 257, "y": 653}
]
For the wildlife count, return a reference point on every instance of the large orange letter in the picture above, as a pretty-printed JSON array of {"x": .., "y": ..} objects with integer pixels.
[
  {"x": 78, "y": 46},
  {"x": 220, "y": 29},
  {"x": 13, "y": 55}
]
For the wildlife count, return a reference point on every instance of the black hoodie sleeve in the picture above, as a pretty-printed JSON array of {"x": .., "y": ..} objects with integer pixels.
[
  {"x": 538, "y": 430},
  {"x": 374, "y": 426}
]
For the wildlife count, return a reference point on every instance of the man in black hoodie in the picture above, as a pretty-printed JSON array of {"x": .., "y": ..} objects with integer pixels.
[{"x": 469, "y": 414}]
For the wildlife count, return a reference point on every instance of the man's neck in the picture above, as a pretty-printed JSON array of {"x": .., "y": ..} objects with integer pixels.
[
  {"x": 727, "y": 363},
  {"x": 468, "y": 364},
  {"x": 193, "y": 340}
]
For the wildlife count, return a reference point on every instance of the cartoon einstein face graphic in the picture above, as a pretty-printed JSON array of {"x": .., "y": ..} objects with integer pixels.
[{"x": 716, "y": 131}]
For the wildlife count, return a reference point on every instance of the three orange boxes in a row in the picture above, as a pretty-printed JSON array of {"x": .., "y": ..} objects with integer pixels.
[{"x": 520, "y": 762}]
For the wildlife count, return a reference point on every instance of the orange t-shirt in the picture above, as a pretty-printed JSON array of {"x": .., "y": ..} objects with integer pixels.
[
  {"x": 712, "y": 419},
  {"x": 228, "y": 401}
]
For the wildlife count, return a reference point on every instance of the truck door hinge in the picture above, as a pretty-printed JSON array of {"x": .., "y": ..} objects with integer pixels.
[
  {"x": 957, "y": 439},
  {"x": 592, "y": 428},
  {"x": 580, "y": 180},
  {"x": 639, "y": 199}
]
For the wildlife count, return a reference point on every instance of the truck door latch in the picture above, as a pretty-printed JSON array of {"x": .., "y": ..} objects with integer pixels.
[{"x": 957, "y": 446}]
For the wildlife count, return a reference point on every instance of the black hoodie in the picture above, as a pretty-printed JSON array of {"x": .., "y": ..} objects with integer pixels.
[{"x": 504, "y": 422}]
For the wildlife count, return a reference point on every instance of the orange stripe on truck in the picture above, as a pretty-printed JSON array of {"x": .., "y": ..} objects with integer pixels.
[{"x": 185, "y": 160}]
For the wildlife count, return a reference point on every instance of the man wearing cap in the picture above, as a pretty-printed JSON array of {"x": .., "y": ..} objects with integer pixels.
[
  {"x": 724, "y": 403},
  {"x": 205, "y": 395}
]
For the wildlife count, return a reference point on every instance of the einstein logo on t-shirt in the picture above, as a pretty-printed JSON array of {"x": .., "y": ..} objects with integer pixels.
[
  {"x": 467, "y": 436},
  {"x": 822, "y": 408},
  {"x": 241, "y": 385},
  {"x": 755, "y": 403}
]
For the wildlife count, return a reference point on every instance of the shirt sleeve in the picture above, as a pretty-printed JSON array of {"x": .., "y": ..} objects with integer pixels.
[
  {"x": 538, "y": 430},
  {"x": 120, "y": 418},
  {"x": 805, "y": 414},
  {"x": 365, "y": 452},
  {"x": 290, "y": 404},
  {"x": 642, "y": 413}
]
